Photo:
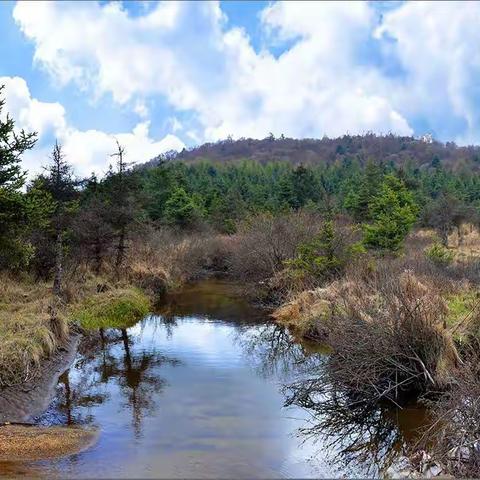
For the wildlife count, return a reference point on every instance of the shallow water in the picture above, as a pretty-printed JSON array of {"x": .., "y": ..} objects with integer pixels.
[{"x": 199, "y": 391}]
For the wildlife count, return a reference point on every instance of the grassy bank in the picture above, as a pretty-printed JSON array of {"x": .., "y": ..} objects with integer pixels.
[
  {"x": 32, "y": 326},
  {"x": 34, "y": 323},
  {"x": 121, "y": 307}
]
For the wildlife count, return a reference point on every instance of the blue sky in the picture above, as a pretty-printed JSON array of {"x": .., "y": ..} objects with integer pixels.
[{"x": 162, "y": 76}]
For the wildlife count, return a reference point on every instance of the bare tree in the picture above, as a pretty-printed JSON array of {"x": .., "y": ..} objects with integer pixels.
[{"x": 124, "y": 209}]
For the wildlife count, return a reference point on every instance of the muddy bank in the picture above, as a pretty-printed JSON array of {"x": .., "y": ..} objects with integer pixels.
[{"x": 22, "y": 403}]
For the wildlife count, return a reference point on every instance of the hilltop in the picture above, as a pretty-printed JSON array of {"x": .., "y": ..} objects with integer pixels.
[{"x": 393, "y": 149}]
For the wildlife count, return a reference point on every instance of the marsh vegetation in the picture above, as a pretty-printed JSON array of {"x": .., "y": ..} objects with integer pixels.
[{"x": 376, "y": 257}]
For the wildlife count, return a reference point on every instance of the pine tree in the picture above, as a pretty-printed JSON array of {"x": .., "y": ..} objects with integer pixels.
[
  {"x": 392, "y": 212},
  {"x": 93, "y": 232},
  {"x": 121, "y": 186},
  {"x": 14, "y": 249},
  {"x": 358, "y": 199},
  {"x": 299, "y": 187},
  {"x": 181, "y": 209},
  {"x": 60, "y": 184},
  {"x": 123, "y": 218}
]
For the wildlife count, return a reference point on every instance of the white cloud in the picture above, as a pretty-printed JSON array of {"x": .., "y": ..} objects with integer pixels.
[
  {"x": 88, "y": 151},
  {"x": 438, "y": 46},
  {"x": 332, "y": 79},
  {"x": 91, "y": 149},
  {"x": 29, "y": 113},
  {"x": 183, "y": 52}
]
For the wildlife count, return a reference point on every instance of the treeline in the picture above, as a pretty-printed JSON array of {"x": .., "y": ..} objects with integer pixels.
[
  {"x": 56, "y": 217},
  {"x": 222, "y": 194}
]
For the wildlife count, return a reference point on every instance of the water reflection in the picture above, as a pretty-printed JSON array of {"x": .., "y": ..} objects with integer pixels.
[
  {"x": 101, "y": 362},
  {"x": 212, "y": 388},
  {"x": 356, "y": 432}
]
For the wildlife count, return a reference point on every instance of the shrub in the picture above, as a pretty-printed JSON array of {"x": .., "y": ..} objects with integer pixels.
[
  {"x": 452, "y": 439},
  {"x": 264, "y": 242},
  {"x": 324, "y": 257},
  {"x": 439, "y": 255},
  {"x": 388, "y": 337}
]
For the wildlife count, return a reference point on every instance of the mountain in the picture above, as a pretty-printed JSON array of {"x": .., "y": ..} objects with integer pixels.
[{"x": 422, "y": 153}]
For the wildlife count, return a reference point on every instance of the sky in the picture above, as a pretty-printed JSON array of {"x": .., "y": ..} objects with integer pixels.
[{"x": 159, "y": 76}]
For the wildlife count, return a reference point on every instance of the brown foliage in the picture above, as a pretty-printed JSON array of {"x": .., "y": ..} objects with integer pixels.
[
  {"x": 453, "y": 438},
  {"x": 264, "y": 242}
]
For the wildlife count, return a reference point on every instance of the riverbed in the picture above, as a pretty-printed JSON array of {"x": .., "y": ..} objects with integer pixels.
[{"x": 208, "y": 387}]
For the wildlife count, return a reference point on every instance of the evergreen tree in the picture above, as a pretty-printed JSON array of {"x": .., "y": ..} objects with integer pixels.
[
  {"x": 122, "y": 186},
  {"x": 360, "y": 196},
  {"x": 181, "y": 209},
  {"x": 299, "y": 187},
  {"x": 392, "y": 212},
  {"x": 14, "y": 248},
  {"x": 61, "y": 186},
  {"x": 93, "y": 231}
]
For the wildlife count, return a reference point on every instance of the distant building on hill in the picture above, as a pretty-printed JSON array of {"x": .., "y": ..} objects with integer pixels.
[{"x": 427, "y": 138}]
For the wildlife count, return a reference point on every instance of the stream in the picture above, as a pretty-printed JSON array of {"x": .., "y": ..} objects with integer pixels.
[{"x": 209, "y": 387}]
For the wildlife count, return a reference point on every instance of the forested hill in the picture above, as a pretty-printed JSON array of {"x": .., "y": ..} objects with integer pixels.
[{"x": 398, "y": 151}]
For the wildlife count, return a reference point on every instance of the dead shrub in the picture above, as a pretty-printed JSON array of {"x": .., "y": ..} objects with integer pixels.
[
  {"x": 453, "y": 438},
  {"x": 264, "y": 242},
  {"x": 388, "y": 338},
  {"x": 163, "y": 259}
]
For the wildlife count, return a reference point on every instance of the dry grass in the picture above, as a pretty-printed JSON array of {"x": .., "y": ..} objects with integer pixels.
[
  {"x": 305, "y": 312},
  {"x": 386, "y": 331},
  {"x": 29, "y": 443},
  {"x": 162, "y": 260},
  {"x": 31, "y": 327},
  {"x": 34, "y": 323}
]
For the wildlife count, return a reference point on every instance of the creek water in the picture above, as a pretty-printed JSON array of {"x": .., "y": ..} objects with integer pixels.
[{"x": 209, "y": 388}]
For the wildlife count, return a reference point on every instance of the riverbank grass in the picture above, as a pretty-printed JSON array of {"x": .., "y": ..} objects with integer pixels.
[
  {"x": 31, "y": 328},
  {"x": 34, "y": 323},
  {"x": 115, "y": 308}
]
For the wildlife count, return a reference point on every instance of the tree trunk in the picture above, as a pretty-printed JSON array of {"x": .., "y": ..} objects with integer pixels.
[
  {"x": 461, "y": 238},
  {"x": 444, "y": 237},
  {"x": 120, "y": 251},
  {"x": 57, "y": 280},
  {"x": 98, "y": 255}
]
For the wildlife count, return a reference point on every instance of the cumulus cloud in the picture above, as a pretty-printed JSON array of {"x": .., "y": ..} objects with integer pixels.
[
  {"x": 344, "y": 68},
  {"x": 139, "y": 147},
  {"x": 184, "y": 52},
  {"x": 89, "y": 151},
  {"x": 437, "y": 45},
  {"x": 28, "y": 112}
]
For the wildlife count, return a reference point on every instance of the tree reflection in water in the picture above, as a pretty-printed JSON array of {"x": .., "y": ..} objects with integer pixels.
[
  {"x": 101, "y": 362},
  {"x": 272, "y": 349},
  {"x": 358, "y": 432}
]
